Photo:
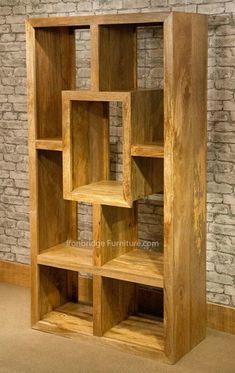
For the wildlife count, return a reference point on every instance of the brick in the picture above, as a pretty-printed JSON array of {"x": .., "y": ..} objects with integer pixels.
[
  {"x": 218, "y": 298},
  {"x": 229, "y": 290},
  {"x": 219, "y": 188},
  {"x": 222, "y": 229},
  {"x": 219, "y": 278},
  {"x": 214, "y": 287},
  {"x": 211, "y": 8},
  {"x": 226, "y": 268},
  {"x": 135, "y": 3}
]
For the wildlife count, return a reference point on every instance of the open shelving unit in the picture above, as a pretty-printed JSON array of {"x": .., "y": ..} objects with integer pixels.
[{"x": 150, "y": 302}]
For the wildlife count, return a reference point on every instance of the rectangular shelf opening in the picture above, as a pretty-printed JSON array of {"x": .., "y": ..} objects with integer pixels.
[
  {"x": 62, "y": 312},
  {"x": 54, "y": 208},
  {"x": 132, "y": 242},
  {"x": 55, "y": 71},
  {"x": 150, "y": 57},
  {"x": 128, "y": 323},
  {"x": 88, "y": 154}
]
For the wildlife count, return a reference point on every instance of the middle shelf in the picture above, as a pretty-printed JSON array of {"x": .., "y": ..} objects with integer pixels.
[{"x": 137, "y": 265}]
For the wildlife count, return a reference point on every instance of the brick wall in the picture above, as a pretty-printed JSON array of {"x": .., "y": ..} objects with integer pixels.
[{"x": 14, "y": 226}]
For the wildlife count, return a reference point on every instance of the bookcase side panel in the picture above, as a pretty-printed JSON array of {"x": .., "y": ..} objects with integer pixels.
[{"x": 184, "y": 182}]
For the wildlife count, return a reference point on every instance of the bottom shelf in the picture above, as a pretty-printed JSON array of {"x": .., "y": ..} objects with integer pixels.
[
  {"x": 140, "y": 331},
  {"x": 68, "y": 319}
]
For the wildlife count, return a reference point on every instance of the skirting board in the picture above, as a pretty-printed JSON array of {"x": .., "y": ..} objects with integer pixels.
[
  {"x": 15, "y": 273},
  {"x": 218, "y": 317},
  {"x": 221, "y": 318}
]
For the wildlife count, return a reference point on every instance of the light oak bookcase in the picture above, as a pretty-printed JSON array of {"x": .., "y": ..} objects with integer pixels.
[{"x": 147, "y": 302}]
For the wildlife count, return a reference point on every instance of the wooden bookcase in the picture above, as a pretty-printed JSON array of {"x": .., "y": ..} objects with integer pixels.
[{"x": 147, "y": 302}]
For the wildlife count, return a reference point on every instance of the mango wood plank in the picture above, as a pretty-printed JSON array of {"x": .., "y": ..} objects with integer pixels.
[
  {"x": 73, "y": 95},
  {"x": 185, "y": 74},
  {"x": 85, "y": 21},
  {"x": 114, "y": 301},
  {"x": 67, "y": 320},
  {"x": 85, "y": 289},
  {"x": 53, "y": 208},
  {"x": 148, "y": 150},
  {"x": 138, "y": 265},
  {"x": 108, "y": 192},
  {"x": 49, "y": 144},
  {"x": 67, "y": 257},
  {"x": 140, "y": 331},
  {"x": 115, "y": 230},
  {"x": 33, "y": 166}
]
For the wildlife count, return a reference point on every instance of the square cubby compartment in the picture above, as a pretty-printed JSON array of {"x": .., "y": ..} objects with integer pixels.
[
  {"x": 130, "y": 313},
  {"x": 86, "y": 163},
  {"x": 62, "y": 305}
]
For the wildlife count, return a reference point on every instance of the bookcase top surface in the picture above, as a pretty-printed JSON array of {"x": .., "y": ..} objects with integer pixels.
[{"x": 106, "y": 19}]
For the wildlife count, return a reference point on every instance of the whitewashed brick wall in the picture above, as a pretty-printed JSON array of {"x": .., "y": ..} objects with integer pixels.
[{"x": 14, "y": 226}]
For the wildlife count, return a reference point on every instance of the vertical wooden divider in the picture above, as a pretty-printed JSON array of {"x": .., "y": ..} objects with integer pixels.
[
  {"x": 112, "y": 70},
  {"x": 185, "y": 48}
]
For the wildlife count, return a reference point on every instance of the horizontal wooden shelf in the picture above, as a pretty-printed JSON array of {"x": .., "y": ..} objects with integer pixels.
[
  {"x": 109, "y": 19},
  {"x": 138, "y": 265},
  {"x": 49, "y": 144},
  {"x": 67, "y": 257},
  {"x": 148, "y": 150},
  {"x": 106, "y": 192},
  {"x": 139, "y": 331},
  {"x": 68, "y": 319}
]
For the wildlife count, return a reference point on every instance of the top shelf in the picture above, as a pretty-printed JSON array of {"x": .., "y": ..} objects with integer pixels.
[{"x": 108, "y": 19}]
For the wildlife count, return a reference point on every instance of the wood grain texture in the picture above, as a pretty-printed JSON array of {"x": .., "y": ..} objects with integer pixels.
[
  {"x": 136, "y": 330},
  {"x": 53, "y": 208},
  {"x": 55, "y": 61},
  {"x": 53, "y": 291},
  {"x": 117, "y": 68},
  {"x": 15, "y": 273},
  {"x": 148, "y": 150},
  {"x": 51, "y": 68},
  {"x": 184, "y": 182},
  {"x": 114, "y": 301},
  {"x": 67, "y": 321},
  {"x": 108, "y": 192},
  {"x": 139, "y": 266},
  {"x": 221, "y": 318},
  {"x": 67, "y": 257},
  {"x": 33, "y": 168},
  {"x": 49, "y": 144},
  {"x": 86, "y": 21},
  {"x": 115, "y": 230}
]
